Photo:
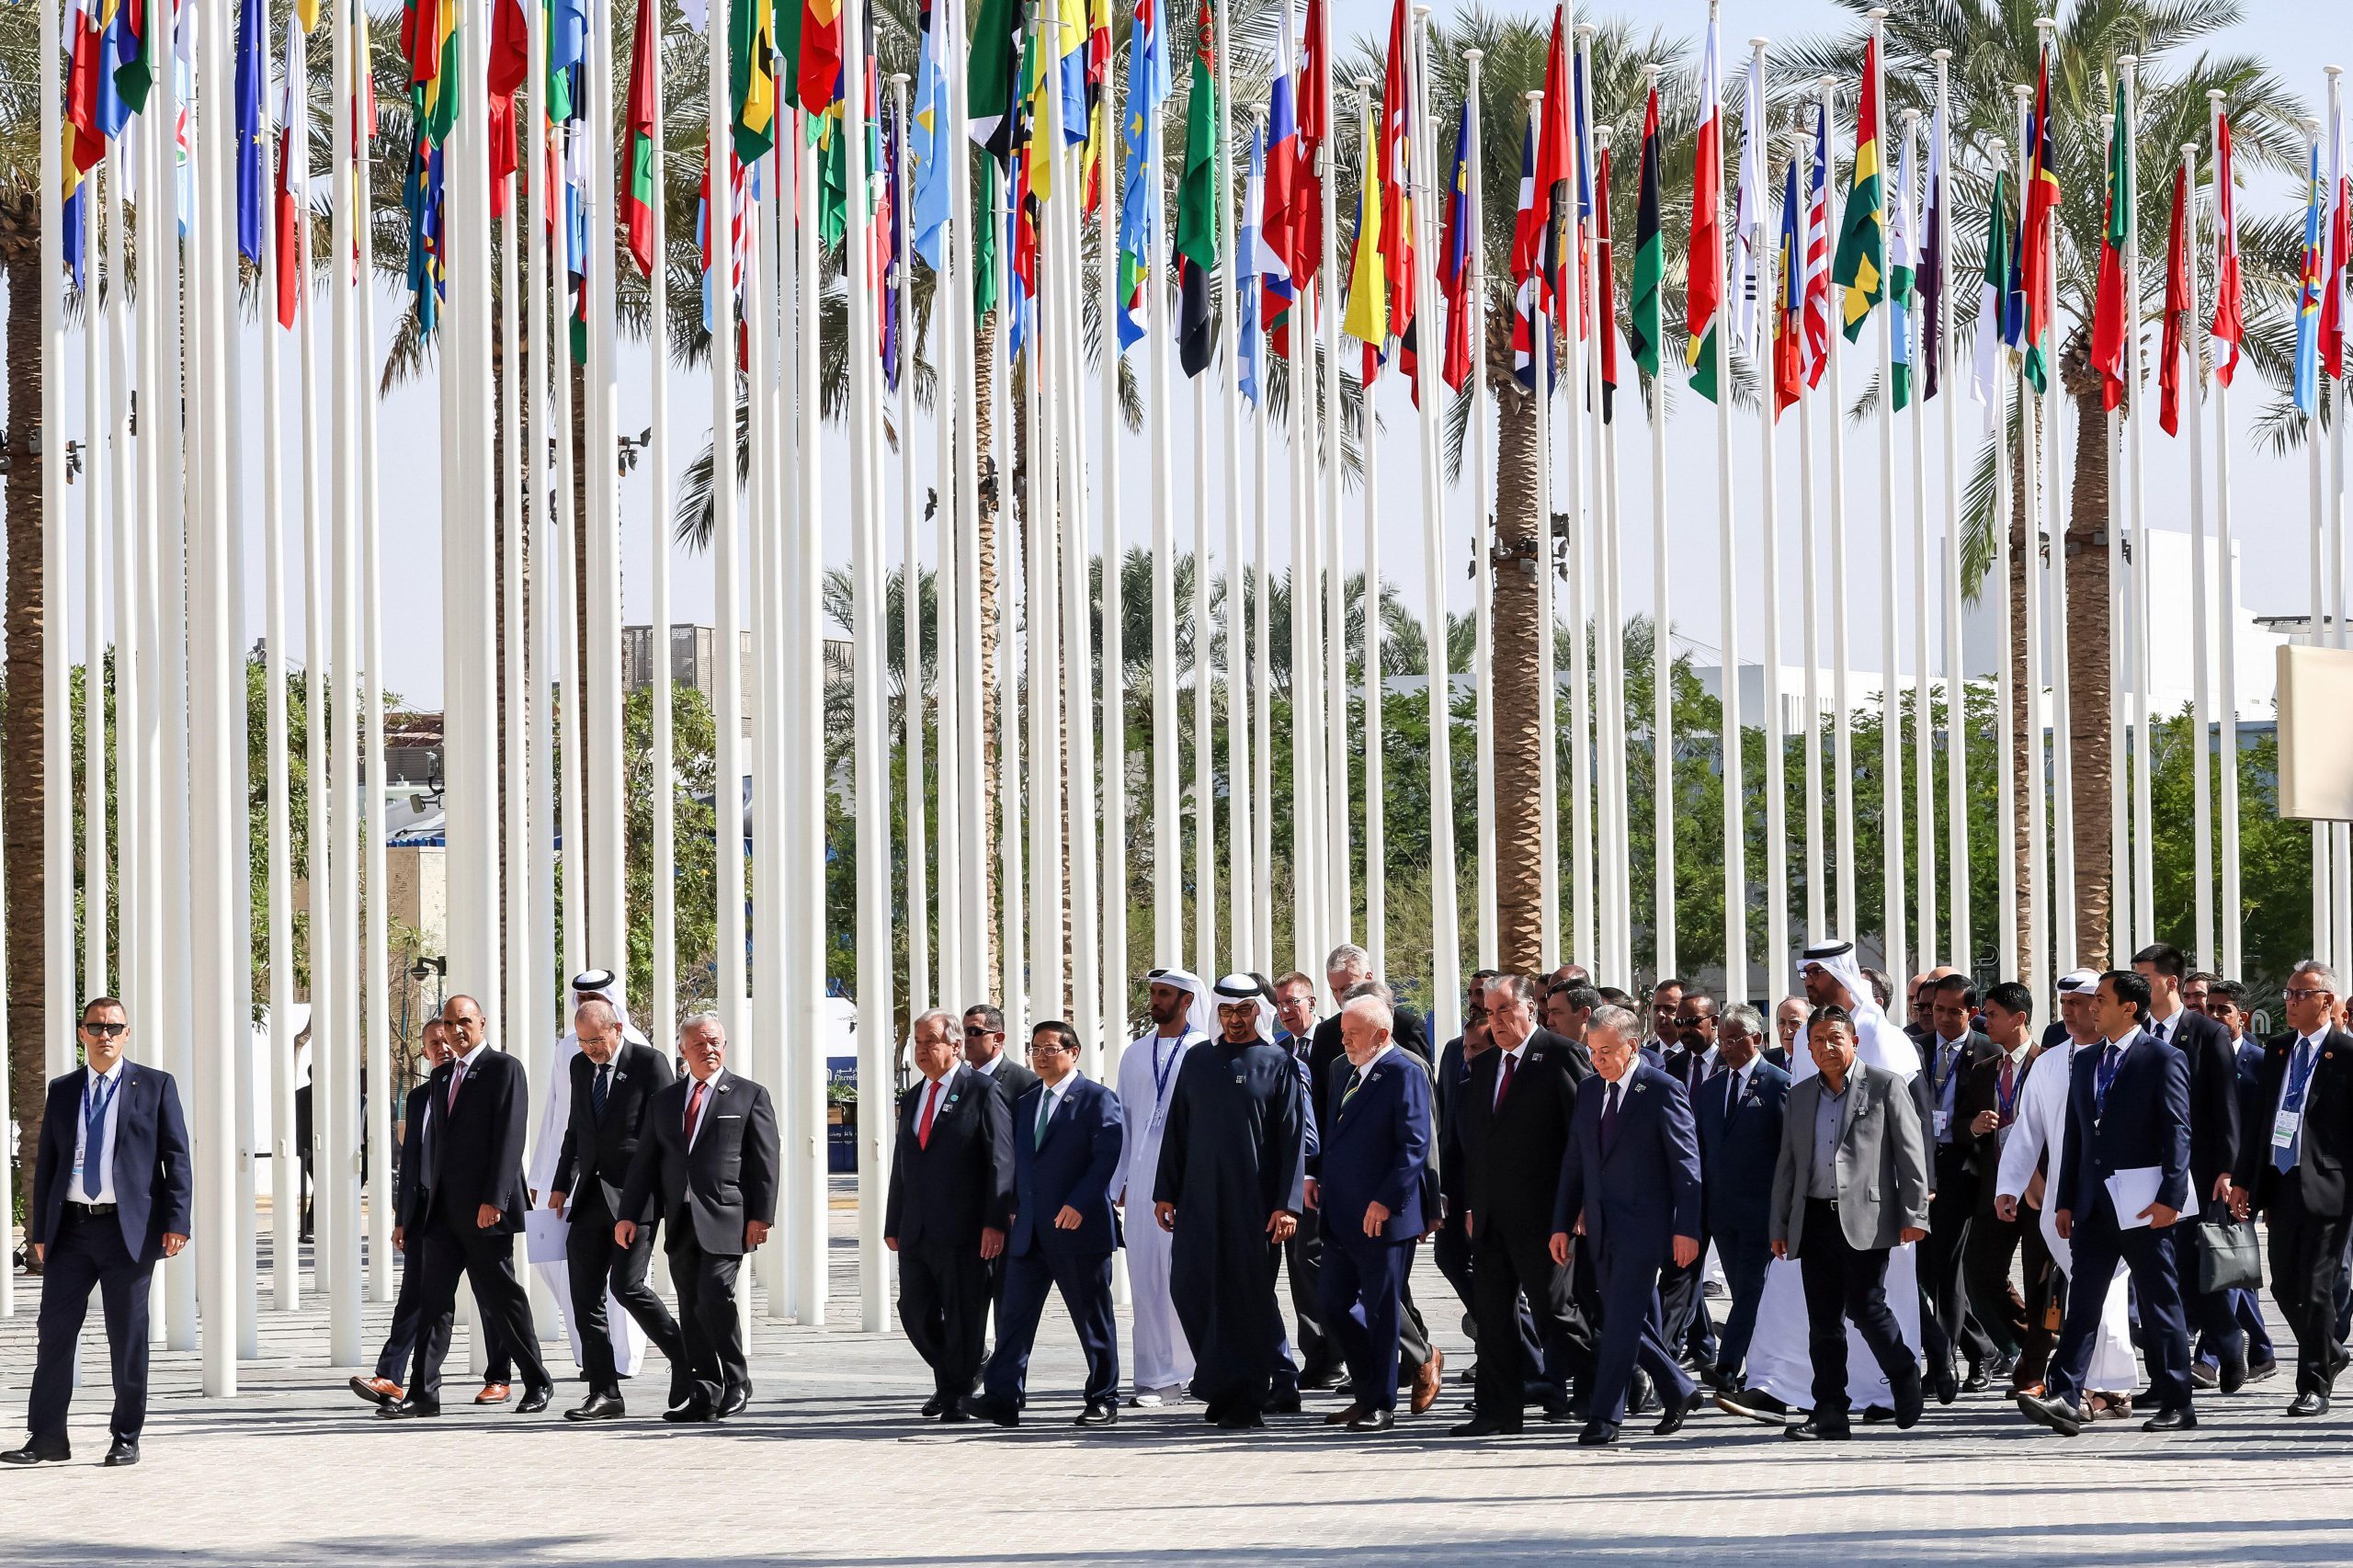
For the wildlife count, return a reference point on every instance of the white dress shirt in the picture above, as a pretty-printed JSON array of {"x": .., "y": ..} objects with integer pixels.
[
  {"x": 108, "y": 1083},
  {"x": 710, "y": 1094},
  {"x": 1505, "y": 1068}
]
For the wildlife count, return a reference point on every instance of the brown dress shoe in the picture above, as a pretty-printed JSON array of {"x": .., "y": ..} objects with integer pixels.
[
  {"x": 492, "y": 1393},
  {"x": 378, "y": 1392},
  {"x": 1342, "y": 1417},
  {"x": 1427, "y": 1381}
]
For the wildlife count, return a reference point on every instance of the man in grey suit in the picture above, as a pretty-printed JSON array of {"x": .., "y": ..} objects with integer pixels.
[{"x": 1851, "y": 1183}]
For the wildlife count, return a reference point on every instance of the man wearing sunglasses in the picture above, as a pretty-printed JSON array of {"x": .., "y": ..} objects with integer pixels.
[
  {"x": 984, "y": 1055},
  {"x": 111, "y": 1190}
]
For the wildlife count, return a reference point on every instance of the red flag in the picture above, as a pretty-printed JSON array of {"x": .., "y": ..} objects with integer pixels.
[
  {"x": 1534, "y": 240},
  {"x": 2041, "y": 209},
  {"x": 1302, "y": 242},
  {"x": 1606, "y": 307},
  {"x": 2113, "y": 306},
  {"x": 1704, "y": 287},
  {"x": 2332, "y": 325},
  {"x": 639, "y": 128},
  {"x": 510, "y": 56},
  {"x": 2228, "y": 326},
  {"x": 2176, "y": 308},
  {"x": 1395, "y": 174}
]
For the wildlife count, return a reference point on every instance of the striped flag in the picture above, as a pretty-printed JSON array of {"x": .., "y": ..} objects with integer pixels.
[
  {"x": 1367, "y": 317},
  {"x": 2177, "y": 313},
  {"x": 1789, "y": 300},
  {"x": 1394, "y": 166},
  {"x": 1930, "y": 279},
  {"x": 2228, "y": 324},
  {"x": 2332, "y": 331},
  {"x": 1992, "y": 304},
  {"x": 1280, "y": 223},
  {"x": 1703, "y": 295},
  {"x": 2114, "y": 308},
  {"x": 1902, "y": 267},
  {"x": 1748, "y": 214},
  {"x": 1454, "y": 258},
  {"x": 1140, "y": 176},
  {"x": 1817, "y": 252},
  {"x": 1249, "y": 237},
  {"x": 2307, "y": 377},
  {"x": 927, "y": 219},
  {"x": 1606, "y": 307},
  {"x": 642, "y": 124},
  {"x": 1530, "y": 325},
  {"x": 1645, "y": 316},
  {"x": 2036, "y": 255},
  {"x": 253, "y": 124},
  {"x": 293, "y": 151},
  {"x": 1860, "y": 266}
]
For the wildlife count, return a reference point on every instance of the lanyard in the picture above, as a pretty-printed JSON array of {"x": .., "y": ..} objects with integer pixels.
[{"x": 1161, "y": 1070}]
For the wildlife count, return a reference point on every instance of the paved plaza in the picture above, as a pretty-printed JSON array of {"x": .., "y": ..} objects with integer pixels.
[{"x": 830, "y": 1465}]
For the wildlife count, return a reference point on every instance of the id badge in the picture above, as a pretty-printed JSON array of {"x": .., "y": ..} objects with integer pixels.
[
  {"x": 2283, "y": 1128},
  {"x": 1944, "y": 1127}
]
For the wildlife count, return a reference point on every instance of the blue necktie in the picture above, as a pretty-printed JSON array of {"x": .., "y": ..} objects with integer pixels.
[
  {"x": 2300, "y": 1076},
  {"x": 94, "y": 1137},
  {"x": 596, "y": 1090},
  {"x": 2105, "y": 1076}
]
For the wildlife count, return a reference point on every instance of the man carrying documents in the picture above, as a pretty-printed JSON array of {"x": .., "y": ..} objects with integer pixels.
[{"x": 2123, "y": 1182}]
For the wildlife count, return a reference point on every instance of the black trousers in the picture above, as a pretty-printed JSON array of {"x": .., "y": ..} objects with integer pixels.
[
  {"x": 2017, "y": 1322},
  {"x": 1303, "y": 1263},
  {"x": 1503, "y": 1263},
  {"x": 2307, "y": 1260},
  {"x": 2213, "y": 1315},
  {"x": 711, "y": 1334},
  {"x": 943, "y": 1306},
  {"x": 1686, "y": 1325},
  {"x": 1844, "y": 1282},
  {"x": 1451, "y": 1250},
  {"x": 88, "y": 1255},
  {"x": 408, "y": 1309},
  {"x": 1945, "y": 1323},
  {"x": 453, "y": 1248},
  {"x": 595, "y": 1263}
]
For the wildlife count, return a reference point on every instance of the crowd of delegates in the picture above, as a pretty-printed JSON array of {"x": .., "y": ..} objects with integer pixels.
[{"x": 1884, "y": 1214}]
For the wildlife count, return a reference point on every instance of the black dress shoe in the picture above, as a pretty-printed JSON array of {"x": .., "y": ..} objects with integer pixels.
[
  {"x": 2060, "y": 1415},
  {"x": 2179, "y": 1418},
  {"x": 2310, "y": 1403},
  {"x": 410, "y": 1409},
  {"x": 1482, "y": 1426},
  {"x": 1754, "y": 1404},
  {"x": 535, "y": 1399},
  {"x": 735, "y": 1400},
  {"x": 124, "y": 1451},
  {"x": 1947, "y": 1383},
  {"x": 955, "y": 1413},
  {"x": 1102, "y": 1413},
  {"x": 694, "y": 1410},
  {"x": 600, "y": 1405},
  {"x": 980, "y": 1408},
  {"x": 1909, "y": 1401},
  {"x": 1671, "y": 1421},
  {"x": 2232, "y": 1375},
  {"x": 1978, "y": 1381},
  {"x": 1638, "y": 1394},
  {"x": 1321, "y": 1379},
  {"x": 1810, "y": 1430},
  {"x": 1241, "y": 1420},
  {"x": 35, "y": 1451},
  {"x": 1282, "y": 1402},
  {"x": 1597, "y": 1435},
  {"x": 1374, "y": 1421},
  {"x": 934, "y": 1406}
]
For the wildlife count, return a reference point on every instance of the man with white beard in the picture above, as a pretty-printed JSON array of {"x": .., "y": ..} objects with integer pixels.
[
  {"x": 1164, "y": 1362},
  {"x": 555, "y": 1114}
]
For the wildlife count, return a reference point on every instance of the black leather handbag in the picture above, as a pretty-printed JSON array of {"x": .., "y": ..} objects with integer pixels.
[{"x": 2230, "y": 1256}]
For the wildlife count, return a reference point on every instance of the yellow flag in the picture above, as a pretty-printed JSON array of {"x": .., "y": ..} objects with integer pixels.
[{"x": 1367, "y": 319}]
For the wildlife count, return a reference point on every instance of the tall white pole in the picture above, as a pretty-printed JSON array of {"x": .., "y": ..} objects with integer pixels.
[
  {"x": 286, "y": 1181},
  {"x": 2340, "y": 835},
  {"x": 1075, "y": 644},
  {"x": 973, "y": 832},
  {"x": 1241, "y": 835},
  {"x": 809, "y": 1244},
  {"x": 911, "y": 670},
  {"x": 376, "y": 1008},
  {"x": 1446, "y": 940},
  {"x": 57, "y": 800},
  {"x": 1891, "y": 750},
  {"x": 2042, "y": 959},
  {"x": 1961, "y": 945},
  {"x": 2226, "y": 558},
  {"x": 1332, "y": 588},
  {"x": 1482, "y": 524},
  {"x": 1204, "y": 695},
  {"x": 1850, "y": 917},
  {"x": 1924, "y": 768},
  {"x": 2144, "y": 916},
  {"x": 1548, "y": 810},
  {"x": 606, "y": 862},
  {"x": 1817, "y": 902},
  {"x": 659, "y": 1010},
  {"x": 726, "y": 551},
  {"x": 1103, "y": 1054},
  {"x": 96, "y": 483},
  {"x": 1374, "y": 656},
  {"x": 1613, "y": 949},
  {"x": 2063, "y": 851},
  {"x": 2008, "y": 958},
  {"x": 1581, "y": 920},
  {"x": 1777, "y": 842},
  {"x": 1663, "y": 857},
  {"x": 1041, "y": 661},
  {"x": 2316, "y": 468},
  {"x": 1168, "y": 824},
  {"x": 1728, "y": 572},
  {"x": 2200, "y": 589},
  {"x": 1310, "y": 902}
]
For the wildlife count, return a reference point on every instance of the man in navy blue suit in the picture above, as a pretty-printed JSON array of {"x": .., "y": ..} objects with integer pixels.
[
  {"x": 111, "y": 1186},
  {"x": 1739, "y": 1116},
  {"x": 1068, "y": 1133},
  {"x": 1631, "y": 1183},
  {"x": 1374, "y": 1187},
  {"x": 2128, "y": 1117}
]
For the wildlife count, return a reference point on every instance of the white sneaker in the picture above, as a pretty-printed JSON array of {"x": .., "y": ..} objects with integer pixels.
[{"x": 1144, "y": 1399}]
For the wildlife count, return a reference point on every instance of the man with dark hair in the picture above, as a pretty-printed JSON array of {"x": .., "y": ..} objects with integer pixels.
[
  {"x": 1954, "y": 1053},
  {"x": 2225, "y": 1003},
  {"x": 1666, "y": 1005},
  {"x": 1573, "y": 1006},
  {"x": 1319, "y": 1361},
  {"x": 1615, "y": 997},
  {"x": 1738, "y": 1112},
  {"x": 1989, "y": 1094},
  {"x": 984, "y": 1055},
  {"x": 1450, "y": 1248},
  {"x": 1693, "y": 1056}
]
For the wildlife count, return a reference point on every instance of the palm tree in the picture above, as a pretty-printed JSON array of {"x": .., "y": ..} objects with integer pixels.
[{"x": 1995, "y": 46}]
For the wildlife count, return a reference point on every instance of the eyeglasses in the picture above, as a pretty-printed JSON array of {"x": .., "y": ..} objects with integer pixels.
[
  {"x": 2293, "y": 995},
  {"x": 1040, "y": 1048},
  {"x": 105, "y": 1031},
  {"x": 975, "y": 1032},
  {"x": 1691, "y": 1021}
]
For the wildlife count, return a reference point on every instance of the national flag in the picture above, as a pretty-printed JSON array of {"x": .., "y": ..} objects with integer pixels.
[
  {"x": 2228, "y": 326},
  {"x": 1993, "y": 289},
  {"x": 1748, "y": 215},
  {"x": 1817, "y": 251},
  {"x": 1703, "y": 296},
  {"x": 2307, "y": 369},
  {"x": 1279, "y": 220},
  {"x": 253, "y": 124},
  {"x": 1367, "y": 316},
  {"x": 567, "y": 30},
  {"x": 1789, "y": 300},
  {"x": 1604, "y": 308},
  {"x": 887, "y": 263},
  {"x": 510, "y": 63},
  {"x": 1199, "y": 191},
  {"x": 1530, "y": 325},
  {"x": 991, "y": 75},
  {"x": 2332, "y": 334},
  {"x": 1580, "y": 136},
  {"x": 1930, "y": 277},
  {"x": 2037, "y": 257},
  {"x": 293, "y": 151},
  {"x": 1304, "y": 239},
  {"x": 1068, "y": 56},
  {"x": 1140, "y": 172},
  {"x": 134, "y": 71},
  {"x": 927, "y": 219},
  {"x": 1099, "y": 76},
  {"x": 818, "y": 57},
  {"x": 1394, "y": 165},
  {"x": 1454, "y": 269},
  {"x": 2112, "y": 307},
  {"x": 1247, "y": 237},
  {"x": 1860, "y": 266},
  {"x": 1903, "y": 266},
  {"x": 2176, "y": 316},
  {"x": 751, "y": 56},
  {"x": 429, "y": 43},
  {"x": 642, "y": 124},
  {"x": 1645, "y": 317},
  {"x": 1538, "y": 232}
]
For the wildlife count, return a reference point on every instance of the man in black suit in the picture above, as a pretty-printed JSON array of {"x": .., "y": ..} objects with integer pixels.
[
  {"x": 1450, "y": 1248},
  {"x": 2128, "y": 1111},
  {"x": 1665, "y": 1033},
  {"x": 984, "y": 1053},
  {"x": 1514, "y": 1128},
  {"x": 614, "y": 1082},
  {"x": 2214, "y": 1143},
  {"x": 470, "y": 1210},
  {"x": 2303, "y": 1107},
  {"x": 1690, "y": 1064},
  {"x": 708, "y": 1162},
  {"x": 112, "y": 1189},
  {"x": 1988, "y": 1100},
  {"x": 1738, "y": 1113},
  {"x": 1319, "y": 1362},
  {"x": 951, "y": 1196},
  {"x": 1951, "y": 1057}
]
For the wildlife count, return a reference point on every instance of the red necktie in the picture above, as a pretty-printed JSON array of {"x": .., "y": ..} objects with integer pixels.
[
  {"x": 930, "y": 1104},
  {"x": 2009, "y": 1081},
  {"x": 694, "y": 1107},
  {"x": 1503, "y": 1085},
  {"x": 457, "y": 1076}
]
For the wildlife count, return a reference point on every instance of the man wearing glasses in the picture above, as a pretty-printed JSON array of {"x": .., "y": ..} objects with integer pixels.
[
  {"x": 111, "y": 1189},
  {"x": 984, "y": 1053}
]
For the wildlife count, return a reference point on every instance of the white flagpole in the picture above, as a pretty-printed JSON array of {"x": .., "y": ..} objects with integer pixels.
[
  {"x": 726, "y": 548},
  {"x": 1262, "y": 669},
  {"x": 98, "y": 196},
  {"x": 956, "y": 988},
  {"x": 376, "y": 1007},
  {"x": 972, "y": 722},
  {"x": 1611, "y": 954},
  {"x": 1734, "y": 790},
  {"x": 1331, "y": 589},
  {"x": 1446, "y": 940},
  {"x": 772, "y": 835},
  {"x": 1376, "y": 825},
  {"x": 1543, "y": 355},
  {"x": 1810, "y": 648},
  {"x": 2314, "y": 450},
  {"x": 520, "y": 980},
  {"x": 2200, "y": 589},
  {"x": 544, "y": 364},
  {"x": 1617, "y": 956},
  {"x": 1961, "y": 944},
  {"x": 131, "y": 892},
  {"x": 1573, "y": 548},
  {"x": 570, "y": 808},
  {"x": 2008, "y": 959},
  {"x": 2144, "y": 916},
  {"x": 1482, "y": 527},
  {"x": 1241, "y": 837},
  {"x": 1662, "y": 667},
  {"x": 1167, "y": 822},
  {"x": 1924, "y": 764},
  {"x": 1204, "y": 684},
  {"x": 1075, "y": 644},
  {"x": 1101, "y": 1054},
  {"x": 1012, "y": 854},
  {"x": 1777, "y": 830},
  {"x": 1041, "y": 549},
  {"x": 1849, "y": 917},
  {"x": 1891, "y": 749},
  {"x": 2122, "y": 633},
  {"x": 2045, "y": 960},
  {"x": 285, "y": 1174},
  {"x": 57, "y": 799},
  {"x": 910, "y": 675},
  {"x": 2063, "y": 853},
  {"x": 1309, "y": 900},
  {"x": 659, "y": 1010},
  {"x": 2340, "y": 836},
  {"x": 809, "y": 678},
  {"x": 2233, "y": 918},
  {"x": 315, "y": 698},
  {"x": 606, "y": 861}
]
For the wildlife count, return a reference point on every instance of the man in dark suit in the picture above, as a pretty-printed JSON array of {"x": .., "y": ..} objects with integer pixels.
[
  {"x": 1630, "y": 1184},
  {"x": 1067, "y": 1134},
  {"x": 1319, "y": 1361},
  {"x": 1950, "y": 1059},
  {"x": 112, "y": 1191},
  {"x": 952, "y": 1191},
  {"x": 1374, "y": 1188},
  {"x": 1693, "y": 1055},
  {"x": 1665, "y": 1031},
  {"x": 2215, "y": 1143},
  {"x": 614, "y": 1082},
  {"x": 471, "y": 1208},
  {"x": 707, "y": 1161},
  {"x": 1738, "y": 1113},
  {"x": 2304, "y": 1107},
  {"x": 2226, "y": 1004},
  {"x": 1450, "y": 1248},
  {"x": 2128, "y": 1111},
  {"x": 1514, "y": 1127},
  {"x": 984, "y": 1053},
  {"x": 1350, "y": 966},
  {"x": 1694, "y": 1058},
  {"x": 1989, "y": 1096}
]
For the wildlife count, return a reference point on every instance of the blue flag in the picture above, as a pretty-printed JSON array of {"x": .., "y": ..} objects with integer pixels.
[
  {"x": 1253, "y": 192},
  {"x": 1139, "y": 213},
  {"x": 253, "y": 126},
  {"x": 927, "y": 219}
]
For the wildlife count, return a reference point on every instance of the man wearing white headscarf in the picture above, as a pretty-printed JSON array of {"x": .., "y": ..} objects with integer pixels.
[
  {"x": 1164, "y": 1364},
  {"x": 555, "y": 1114},
  {"x": 1780, "y": 1365}
]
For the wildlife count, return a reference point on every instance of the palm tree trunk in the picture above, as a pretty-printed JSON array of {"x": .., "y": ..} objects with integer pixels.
[
  {"x": 1512, "y": 658},
  {"x": 2088, "y": 633},
  {"x": 24, "y": 727}
]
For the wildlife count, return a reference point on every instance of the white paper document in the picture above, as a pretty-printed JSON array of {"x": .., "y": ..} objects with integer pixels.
[
  {"x": 544, "y": 1233},
  {"x": 2132, "y": 1190}
]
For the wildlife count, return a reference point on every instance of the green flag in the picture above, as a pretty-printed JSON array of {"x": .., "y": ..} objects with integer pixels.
[
  {"x": 1860, "y": 266},
  {"x": 1645, "y": 325}
]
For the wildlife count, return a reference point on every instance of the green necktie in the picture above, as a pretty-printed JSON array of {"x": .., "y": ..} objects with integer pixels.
[
  {"x": 1045, "y": 1113},
  {"x": 1356, "y": 1081}
]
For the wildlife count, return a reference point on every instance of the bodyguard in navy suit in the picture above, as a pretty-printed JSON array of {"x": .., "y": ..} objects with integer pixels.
[
  {"x": 1374, "y": 1188},
  {"x": 1067, "y": 1135},
  {"x": 2128, "y": 1109},
  {"x": 1631, "y": 1181},
  {"x": 112, "y": 1185},
  {"x": 1739, "y": 1115}
]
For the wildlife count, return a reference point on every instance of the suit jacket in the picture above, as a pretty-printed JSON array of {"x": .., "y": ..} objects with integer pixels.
[
  {"x": 1740, "y": 1141},
  {"x": 2146, "y": 1123},
  {"x": 2214, "y": 1130},
  {"x": 1509, "y": 1149},
  {"x": 413, "y": 1179},
  {"x": 1012, "y": 1080},
  {"x": 601, "y": 1151},
  {"x": 148, "y": 1152},
  {"x": 1075, "y": 1166},
  {"x": 1980, "y": 1089},
  {"x": 1409, "y": 1032},
  {"x": 2327, "y": 1127},
  {"x": 1449, "y": 1086},
  {"x": 1882, "y": 1162},
  {"x": 944, "y": 1192},
  {"x": 478, "y": 1144},
  {"x": 1976, "y": 1051},
  {"x": 1638, "y": 1186},
  {"x": 1376, "y": 1149},
  {"x": 726, "y": 1180},
  {"x": 1686, "y": 1067}
]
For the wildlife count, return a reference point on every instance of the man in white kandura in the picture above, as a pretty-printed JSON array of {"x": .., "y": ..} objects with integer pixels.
[
  {"x": 1164, "y": 1362},
  {"x": 555, "y": 1114},
  {"x": 1781, "y": 1367}
]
